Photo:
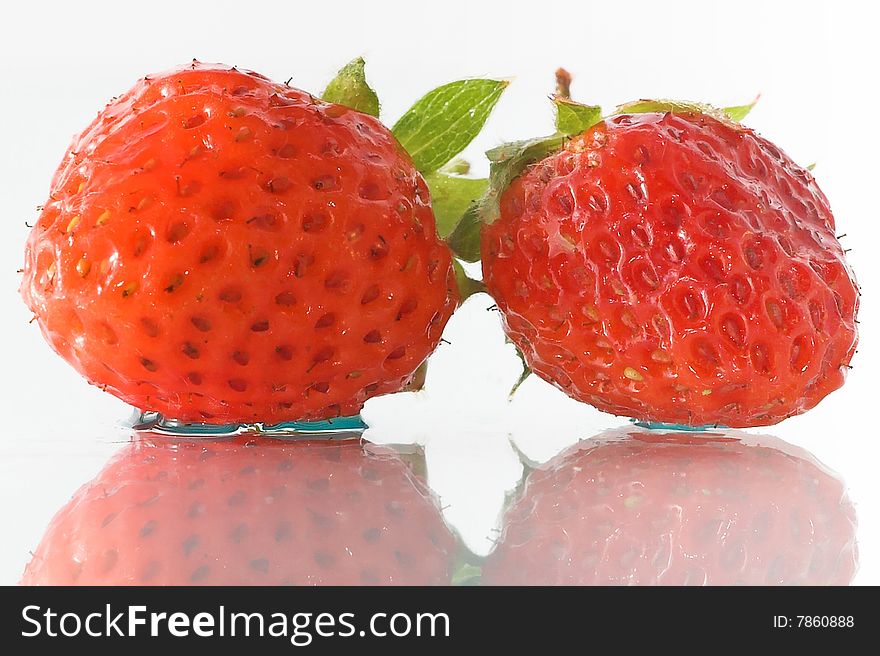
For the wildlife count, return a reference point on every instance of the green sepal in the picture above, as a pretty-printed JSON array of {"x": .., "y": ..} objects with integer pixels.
[
  {"x": 467, "y": 286},
  {"x": 646, "y": 106},
  {"x": 739, "y": 112},
  {"x": 444, "y": 121},
  {"x": 526, "y": 372},
  {"x": 451, "y": 196},
  {"x": 465, "y": 238},
  {"x": 517, "y": 150},
  {"x": 507, "y": 162},
  {"x": 733, "y": 113},
  {"x": 574, "y": 118},
  {"x": 350, "y": 88},
  {"x": 457, "y": 166}
]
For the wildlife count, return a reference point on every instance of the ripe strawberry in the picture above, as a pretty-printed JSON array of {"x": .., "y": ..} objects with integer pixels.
[
  {"x": 221, "y": 248},
  {"x": 247, "y": 512},
  {"x": 639, "y": 508},
  {"x": 672, "y": 266}
]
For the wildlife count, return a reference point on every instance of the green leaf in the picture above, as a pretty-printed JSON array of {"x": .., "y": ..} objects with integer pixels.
[
  {"x": 735, "y": 113},
  {"x": 574, "y": 118},
  {"x": 739, "y": 112},
  {"x": 350, "y": 88},
  {"x": 444, "y": 121},
  {"x": 674, "y": 106},
  {"x": 451, "y": 196}
]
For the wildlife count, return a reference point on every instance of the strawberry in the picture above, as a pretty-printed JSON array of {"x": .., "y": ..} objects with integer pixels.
[
  {"x": 642, "y": 508},
  {"x": 247, "y": 511},
  {"x": 222, "y": 248},
  {"x": 668, "y": 264}
]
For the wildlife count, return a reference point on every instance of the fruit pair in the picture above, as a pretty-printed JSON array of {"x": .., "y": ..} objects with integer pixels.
[
  {"x": 222, "y": 248},
  {"x": 629, "y": 507}
]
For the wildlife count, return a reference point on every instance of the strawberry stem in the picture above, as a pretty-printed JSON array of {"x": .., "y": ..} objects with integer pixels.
[{"x": 563, "y": 84}]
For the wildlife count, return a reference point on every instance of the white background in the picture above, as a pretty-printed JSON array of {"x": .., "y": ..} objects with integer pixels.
[{"x": 815, "y": 66}]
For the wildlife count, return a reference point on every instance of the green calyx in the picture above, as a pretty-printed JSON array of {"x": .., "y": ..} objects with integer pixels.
[
  {"x": 526, "y": 369},
  {"x": 505, "y": 163},
  {"x": 445, "y": 120},
  {"x": 467, "y": 286},
  {"x": 465, "y": 238},
  {"x": 452, "y": 196},
  {"x": 735, "y": 113},
  {"x": 508, "y": 161},
  {"x": 433, "y": 131},
  {"x": 350, "y": 88},
  {"x": 572, "y": 117},
  {"x": 436, "y": 129},
  {"x": 739, "y": 112}
]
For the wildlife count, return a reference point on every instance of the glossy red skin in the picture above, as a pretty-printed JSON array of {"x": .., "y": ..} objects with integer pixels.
[
  {"x": 221, "y": 248},
  {"x": 675, "y": 268},
  {"x": 678, "y": 509},
  {"x": 247, "y": 512}
]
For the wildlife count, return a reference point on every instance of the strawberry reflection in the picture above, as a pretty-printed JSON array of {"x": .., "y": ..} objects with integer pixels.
[
  {"x": 248, "y": 511},
  {"x": 640, "y": 507}
]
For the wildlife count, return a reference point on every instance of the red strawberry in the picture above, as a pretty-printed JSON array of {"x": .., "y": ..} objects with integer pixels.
[
  {"x": 640, "y": 508},
  {"x": 673, "y": 266},
  {"x": 222, "y": 248},
  {"x": 247, "y": 512}
]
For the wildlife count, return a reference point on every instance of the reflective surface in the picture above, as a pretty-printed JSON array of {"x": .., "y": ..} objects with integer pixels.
[
  {"x": 248, "y": 510},
  {"x": 631, "y": 506},
  {"x": 641, "y": 507}
]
